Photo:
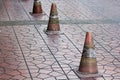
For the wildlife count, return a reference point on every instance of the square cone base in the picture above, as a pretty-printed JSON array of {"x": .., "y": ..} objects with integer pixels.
[
  {"x": 86, "y": 75},
  {"x": 52, "y": 32}
]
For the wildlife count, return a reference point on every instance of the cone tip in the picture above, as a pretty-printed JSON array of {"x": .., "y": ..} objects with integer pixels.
[
  {"x": 88, "y": 32},
  {"x": 89, "y": 40},
  {"x": 53, "y": 9},
  {"x": 53, "y": 3},
  {"x": 37, "y": 1}
]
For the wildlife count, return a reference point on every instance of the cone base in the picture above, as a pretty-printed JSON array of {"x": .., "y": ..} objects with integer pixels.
[
  {"x": 37, "y": 14},
  {"x": 52, "y": 32},
  {"x": 86, "y": 75}
]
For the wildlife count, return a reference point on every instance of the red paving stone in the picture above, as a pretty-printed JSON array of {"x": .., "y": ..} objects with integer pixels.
[{"x": 27, "y": 53}]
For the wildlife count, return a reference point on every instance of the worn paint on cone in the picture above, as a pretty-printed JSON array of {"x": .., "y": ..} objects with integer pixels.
[
  {"x": 37, "y": 8},
  {"x": 53, "y": 24},
  {"x": 88, "y": 62}
]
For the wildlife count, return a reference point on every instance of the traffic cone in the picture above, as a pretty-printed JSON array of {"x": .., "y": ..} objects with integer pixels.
[
  {"x": 88, "y": 64},
  {"x": 53, "y": 24},
  {"x": 37, "y": 8}
]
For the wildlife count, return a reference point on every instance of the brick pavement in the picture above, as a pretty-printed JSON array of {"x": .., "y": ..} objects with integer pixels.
[{"x": 27, "y": 53}]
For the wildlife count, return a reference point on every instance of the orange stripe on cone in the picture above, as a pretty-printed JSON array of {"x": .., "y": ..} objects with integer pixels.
[
  {"x": 88, "y": 63},
  {"x": 37, "y": 8},
  {"x": 53, "y": 24}
]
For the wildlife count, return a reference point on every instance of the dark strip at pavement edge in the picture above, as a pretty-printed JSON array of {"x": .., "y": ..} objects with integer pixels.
[{"x": 41, "y": 22}]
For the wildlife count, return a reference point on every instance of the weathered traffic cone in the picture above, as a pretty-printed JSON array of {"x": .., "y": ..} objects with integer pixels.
[
  {"x": 88, "y": 64},
  {"x": 37, "y": 8},
  {"x": 53, "y": 24}
]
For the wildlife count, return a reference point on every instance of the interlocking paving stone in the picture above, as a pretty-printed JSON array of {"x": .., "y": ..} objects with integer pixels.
[
  {"x": 63, "y": 50},
  {"x": 15, "y": 10},
  {"x": 3, "y": 12},
  {"x": 27, "y": 53},
  {"x": 12, "y": 64},
  {"x": 41, "y": 63}
]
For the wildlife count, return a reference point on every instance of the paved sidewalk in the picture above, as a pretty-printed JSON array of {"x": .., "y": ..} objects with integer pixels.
[{"x": 27, "y": 53}]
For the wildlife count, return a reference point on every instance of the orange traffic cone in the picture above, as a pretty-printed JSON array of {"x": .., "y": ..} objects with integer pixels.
[
  {"x": 37, "y": 8},
  {"x": 53, "y": 24},
  {"x": 88, "y": 64}
]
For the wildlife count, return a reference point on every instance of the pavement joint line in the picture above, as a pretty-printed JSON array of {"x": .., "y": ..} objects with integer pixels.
[
  {"x": 44, "y": 22},
  {"x": 51, "y": 52},
  {"x": 22, "y": 53}
]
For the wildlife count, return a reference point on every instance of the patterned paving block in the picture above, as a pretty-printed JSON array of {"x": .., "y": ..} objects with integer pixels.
[
  {"x": 108, "y": 40},
  {"x": 66, "y": 8},
  {"x": 28, "y": 38},
  {"x": 8, "y": 39},
  {"x": 84, "y": 10},
  {"x": 105, "y": 59},
  {"x": 106, "y": 11},
  {"x": 15, "y": 10},
  {"x": 39, "y": 60},
  {"x": 27, "y": 53},
  {"x": 13, "y": 69},
  {"x": 8, "y": 43},
  {"x": 113, "y": 31},
  {"x": 7, "y": 54},
  {"x": 3, "y": 13},
  {"x": 6, "y": 31},
  {"x": 61, "y": 51},
  {"x": 75, "y": 34}
]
